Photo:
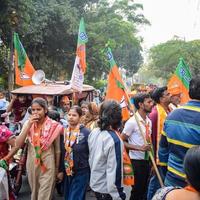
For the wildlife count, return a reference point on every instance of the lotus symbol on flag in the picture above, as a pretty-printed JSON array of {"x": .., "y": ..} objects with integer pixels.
[
  {"x": 184, "y": 75},
  {"x": 24, "y": 76},
  {"x": 83, "y": 36},
  {"x": 110, "y": 56}
]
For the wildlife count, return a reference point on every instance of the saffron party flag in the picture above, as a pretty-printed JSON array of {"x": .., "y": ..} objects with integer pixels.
[
  {"x": 179, "y": 82},
  {"x": 23, "y": 67},
  {"x": 79, "y": 69},
  {"x": 115, "y": 88}
]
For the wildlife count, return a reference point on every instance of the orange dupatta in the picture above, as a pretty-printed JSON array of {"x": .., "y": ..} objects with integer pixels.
[
  {"x": 128, "y": 174},
  {"x": 42, "y": 138}
]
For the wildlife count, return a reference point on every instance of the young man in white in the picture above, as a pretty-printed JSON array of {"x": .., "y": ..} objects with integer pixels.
[{"x": 134, "y": 142}]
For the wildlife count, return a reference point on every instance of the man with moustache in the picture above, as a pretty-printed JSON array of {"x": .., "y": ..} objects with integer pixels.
[
  {"x": 134, "y": 142},
  {"x": 162, "y": 98}
]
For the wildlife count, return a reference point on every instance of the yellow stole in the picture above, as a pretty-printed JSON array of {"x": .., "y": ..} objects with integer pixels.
[{"x": 162, "y": 114}]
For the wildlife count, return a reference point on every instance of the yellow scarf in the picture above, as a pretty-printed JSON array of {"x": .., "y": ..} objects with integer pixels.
[{"x": 162, "y": 114}]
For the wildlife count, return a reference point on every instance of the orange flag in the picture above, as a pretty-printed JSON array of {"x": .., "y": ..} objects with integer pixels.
[
  {"x": 23, "y": 67},
  {"x": 179, "y": 82},
  {"x": 116, "y": 88},
  {"x": 79, "y": 70}
]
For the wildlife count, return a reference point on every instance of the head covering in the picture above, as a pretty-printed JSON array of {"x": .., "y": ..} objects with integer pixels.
[
  {"x": 174, "y": 89},
  {"x": 93, "y": 108},
  {"x": 5, "y": 133},
  {"x": 64, "y": 99}
]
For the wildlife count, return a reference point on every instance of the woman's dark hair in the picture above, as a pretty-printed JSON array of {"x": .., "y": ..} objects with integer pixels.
[
  {"x": 53, "y": 114},
  {"x": 139, "y": 98},
  {"x": 110, "y": 115},
  {"x": 77, "y": 109},
  {"x": 42, "y": 102},
  {"x": 158, "y": 93},
  {"x": 192, "y": 167},
  {"x": 21, "y": 95},
  {"x": 194, "y": 88},
  {"x": 2, "y": 119}
]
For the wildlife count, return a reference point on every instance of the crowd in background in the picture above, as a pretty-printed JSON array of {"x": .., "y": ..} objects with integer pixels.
[{"x": 72, "y": 147}]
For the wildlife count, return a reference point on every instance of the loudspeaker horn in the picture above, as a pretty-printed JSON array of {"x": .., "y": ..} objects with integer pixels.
[{"x": 38, "y": 77}]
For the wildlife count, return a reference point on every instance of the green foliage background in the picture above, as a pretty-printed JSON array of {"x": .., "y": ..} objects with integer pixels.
[
  {"x": 48, "y": 31},
  {"x": 163, "y": 60}
]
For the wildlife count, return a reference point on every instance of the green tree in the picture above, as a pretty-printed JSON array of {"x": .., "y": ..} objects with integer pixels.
[
  {"x": 164, "y": 57},
  {"x": 114, "y": 25},
  {"x": 4, "y": 59},
  {"x": 48, "y": 30},
  {"x": 54, "y": 40}
]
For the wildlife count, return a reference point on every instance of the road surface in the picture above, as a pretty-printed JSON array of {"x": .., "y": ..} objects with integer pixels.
[{"x": 25, "y": 193}]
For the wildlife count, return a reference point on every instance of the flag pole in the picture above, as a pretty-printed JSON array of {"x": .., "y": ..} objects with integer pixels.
[
  {"x": 10, "y": 65},
  {"x": 145, "y": 141},
  {"x": 112, "y": 63},
  {"x": 149, "y": 152},
  {"x": 73, "y": 98}
]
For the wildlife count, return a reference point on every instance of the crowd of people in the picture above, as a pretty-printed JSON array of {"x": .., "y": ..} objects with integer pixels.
[{"x": 73, "y": 147}]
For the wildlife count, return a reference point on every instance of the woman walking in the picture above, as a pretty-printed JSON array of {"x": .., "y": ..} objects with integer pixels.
[
  {"x": 43, "y": 157},
  {"x": 75, "y": 165}
]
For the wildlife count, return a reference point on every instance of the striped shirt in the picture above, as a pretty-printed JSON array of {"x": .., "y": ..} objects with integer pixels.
[{"x": 181, "y": 132}]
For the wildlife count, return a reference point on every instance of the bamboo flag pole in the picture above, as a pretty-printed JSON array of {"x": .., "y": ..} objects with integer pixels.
[
  {"x": 149, "y": 152},
  {"x": 73, "y": 98}
]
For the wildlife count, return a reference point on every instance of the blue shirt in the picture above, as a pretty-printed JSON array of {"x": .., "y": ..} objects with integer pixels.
[
  {"x": 181, "y": 132},
  {"x": 3, "y": 104}
]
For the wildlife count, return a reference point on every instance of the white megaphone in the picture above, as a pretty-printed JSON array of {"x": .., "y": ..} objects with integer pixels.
[{"x": 38, "y": 77}]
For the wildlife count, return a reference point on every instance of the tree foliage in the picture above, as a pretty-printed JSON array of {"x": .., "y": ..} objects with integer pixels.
[
  {"x": 163, "y": 58},
  {"x": 48, "y": 31},
  {"x": 114, "y": 25}
]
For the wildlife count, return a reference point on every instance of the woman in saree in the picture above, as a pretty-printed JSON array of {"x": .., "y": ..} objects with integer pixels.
[{"x": 43, "y": 157}]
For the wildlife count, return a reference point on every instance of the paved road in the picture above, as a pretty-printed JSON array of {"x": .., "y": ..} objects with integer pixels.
[{"x": 25, "y": 193}]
